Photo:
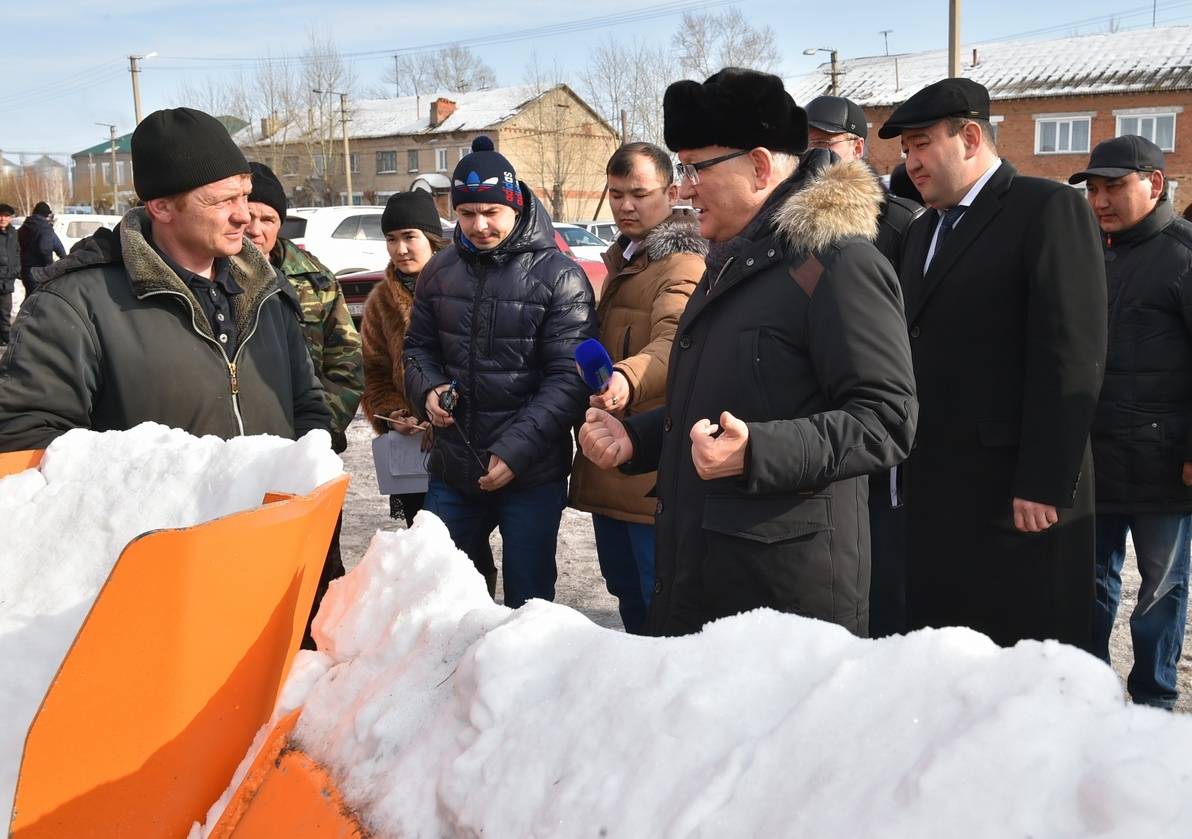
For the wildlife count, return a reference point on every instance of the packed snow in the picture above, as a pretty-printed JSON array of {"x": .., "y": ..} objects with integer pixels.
[
  {"x": 66, "y": 522},
  {"x": 443, "y": 714}
]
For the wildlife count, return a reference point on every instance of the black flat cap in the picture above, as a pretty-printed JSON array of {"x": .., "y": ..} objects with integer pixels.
[
  {"x": 836, "y": 115},
  {"x": 1121, "y": 156},
  {"x": 947, "y": 98},
  {"x": 740, "y": 109}
]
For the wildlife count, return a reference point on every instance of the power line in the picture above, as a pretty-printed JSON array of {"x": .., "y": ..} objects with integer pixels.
[
  {"x": 67, "y": 84},
  {"x": 550, "y": 30},
  {"x": 1100, "y": 19}
]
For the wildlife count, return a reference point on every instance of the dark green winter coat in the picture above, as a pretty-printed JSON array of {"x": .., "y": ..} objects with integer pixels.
[{"x": 113, "y": 338}]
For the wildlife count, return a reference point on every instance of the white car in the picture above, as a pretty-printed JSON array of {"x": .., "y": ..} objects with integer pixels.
[
  {"x": 584, "y": 244},
  {"x": 345, "y": 239},
  {"x": 71, "y": 227},
  {"x": 606, "y": 230}
]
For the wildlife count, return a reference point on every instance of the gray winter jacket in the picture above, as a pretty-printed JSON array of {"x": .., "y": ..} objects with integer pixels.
[{"x": 113, "y": 338}]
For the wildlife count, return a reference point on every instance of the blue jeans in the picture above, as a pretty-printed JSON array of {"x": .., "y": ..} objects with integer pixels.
[
  {"x": 529, "y": 522},
  {"x": 1162, "y": 542},
  {"x": 625, "y": 551}
]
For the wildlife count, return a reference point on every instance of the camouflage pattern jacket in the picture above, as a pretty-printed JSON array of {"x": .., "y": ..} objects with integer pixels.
[{"x": 331, "y": 336}]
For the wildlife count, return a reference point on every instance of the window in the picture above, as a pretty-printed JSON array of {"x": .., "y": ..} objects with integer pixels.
[
  {"x": 1062, "y": 135},
  {"x": 370, "y": 228},
  {"x": 107, "y": 173},
  {"x": 1172, "y": 186},
  {"x": 441, "y": 160},
  {"x": 293, "y": 228},
  {"x": 464, "y": 150},
  {"x": 289, "y": 165},
  {"x": 354, "y": 163},
  {"x": 386, "y": 162},
  {"x": 995, "y": 122},
  {"x": 348, "y": 228},
  {"x": 319, "y": 165},
  {"x": 82, "y": 229},
  {"x": 1158, "y": 128},
  {"x": 357, "y": 200},
  {"x": 412, "y": 160}
]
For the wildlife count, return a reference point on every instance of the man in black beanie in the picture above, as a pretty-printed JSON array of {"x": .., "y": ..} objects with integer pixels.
[
  {"x": 39, "y": 244},
  {"x": 168, "y": 318},
  {"x": 790, "y": 379},
  {"x": 496, "y": 320}
]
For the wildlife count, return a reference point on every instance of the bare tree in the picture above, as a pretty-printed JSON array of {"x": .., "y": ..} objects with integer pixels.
[
  {"x": 219, "y": 97},
  {"x": 410, "y": 75},
  {"x": 707, "y": 42},
  {"x": 459, "y": 70},
  {"x": 323, "y": 68},
  {"x": 630, "y": 77}
]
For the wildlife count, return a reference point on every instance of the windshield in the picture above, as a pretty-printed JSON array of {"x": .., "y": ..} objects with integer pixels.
[{"x": 577, "y": 236}]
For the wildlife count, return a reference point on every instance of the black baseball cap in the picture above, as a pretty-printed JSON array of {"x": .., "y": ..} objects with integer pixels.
[
  {"x": 948, "y": 98},
  {"x": 836, "y": 115},
  {"x": 1121, "y": 156}
]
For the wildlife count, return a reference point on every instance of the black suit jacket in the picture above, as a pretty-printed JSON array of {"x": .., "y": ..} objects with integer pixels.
[{"x": 1008, "y": 332}]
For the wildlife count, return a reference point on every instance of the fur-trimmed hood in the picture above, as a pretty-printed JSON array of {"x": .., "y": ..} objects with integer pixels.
[
  {"x": 842, "y": 200},
  {"x": 678, "y": 234}
]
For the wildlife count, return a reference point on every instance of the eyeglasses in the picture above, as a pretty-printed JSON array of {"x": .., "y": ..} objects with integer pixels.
[
  {"x": 690, "y": 171},
  {"x": 827, "y": 144}
]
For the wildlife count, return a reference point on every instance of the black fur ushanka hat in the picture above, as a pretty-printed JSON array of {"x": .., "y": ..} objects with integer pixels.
[{"x": 741, "y": 109}]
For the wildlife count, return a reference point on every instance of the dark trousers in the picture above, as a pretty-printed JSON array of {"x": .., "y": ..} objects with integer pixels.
[
  {"x": 5, "y": 315},
  {"x": 1161, "y": 542},
  {"x": 406, "y": 506},
  {"x": 625, "y": 551},
  {"x": 333, "y": 569},
  {"x": 529, "y": 521}
]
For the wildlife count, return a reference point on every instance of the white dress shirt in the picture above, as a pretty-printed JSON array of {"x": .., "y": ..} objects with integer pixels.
[{"x": 966, "y": 201}]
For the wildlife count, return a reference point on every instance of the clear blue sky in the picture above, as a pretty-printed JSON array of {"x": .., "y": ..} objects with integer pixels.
[{"x": 67, "y": 62}]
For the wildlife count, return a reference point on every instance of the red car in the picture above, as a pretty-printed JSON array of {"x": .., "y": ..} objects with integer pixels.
[{"x": 357, "y": 286}]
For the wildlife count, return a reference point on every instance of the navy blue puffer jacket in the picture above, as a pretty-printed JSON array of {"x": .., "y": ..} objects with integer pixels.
[{"x": 504, "y": 324}]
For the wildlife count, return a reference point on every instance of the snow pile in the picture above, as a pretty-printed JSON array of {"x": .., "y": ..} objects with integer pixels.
[
  {"x": 66, "y": 523},
  {"x": 443, "y": 714}
]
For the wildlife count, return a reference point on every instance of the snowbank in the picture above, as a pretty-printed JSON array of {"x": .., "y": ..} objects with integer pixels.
[
  {"x": 66, "y": 523},
  {"x": 443, "y": 714}
]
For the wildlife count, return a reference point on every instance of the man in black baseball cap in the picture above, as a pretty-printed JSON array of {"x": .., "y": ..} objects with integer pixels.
[
  {"x": 1005, "y": 298},
  {"x": 1142, "y": 448},
  {"x": 171, "y": 318},
  {"x": 837, "y": 124}
]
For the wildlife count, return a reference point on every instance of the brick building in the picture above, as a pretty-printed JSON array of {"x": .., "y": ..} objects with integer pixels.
[
  {"x": 1052, "y": 101},
  {"x": 555, "y": 141}
]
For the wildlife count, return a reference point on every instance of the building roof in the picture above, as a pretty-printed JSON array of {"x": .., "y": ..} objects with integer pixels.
[
  {"x": 1137, "y": 61},
  {"x": 409, "y": 115},
  {"x": 124, "y": 141}
]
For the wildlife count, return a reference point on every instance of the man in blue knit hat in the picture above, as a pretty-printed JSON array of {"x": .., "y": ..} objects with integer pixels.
[{"x": 490, "y": 361}]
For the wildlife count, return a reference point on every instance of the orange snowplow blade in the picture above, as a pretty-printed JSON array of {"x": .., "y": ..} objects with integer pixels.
[
  {"x": 175, "y": 669},
  {"x": 286, "y": 793}
]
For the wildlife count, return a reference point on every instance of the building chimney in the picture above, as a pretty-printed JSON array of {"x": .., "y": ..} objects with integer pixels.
[
  {"x": 440, "y": 109},
  {"x": 268, "y": 126},
  {"x": 974, "y": 56}
]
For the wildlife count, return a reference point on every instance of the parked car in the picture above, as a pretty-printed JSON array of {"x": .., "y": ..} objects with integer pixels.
[
  {"x": 584, "y": 244},
  {"x": 357, "y": 286},
  {"x": 345, "y": 239},
  {"x": 73, "y": 227},
  {"x": 606, "y": 230}
]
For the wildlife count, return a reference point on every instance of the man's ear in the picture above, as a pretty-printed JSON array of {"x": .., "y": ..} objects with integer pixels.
[
  {"x": 971, "y": 134},
  {"x": 672, "y": 192},
  {"x": 1158, "y": 185},
  {"x": 763, "y": 167},
  {"x": 160, "y": 209}
]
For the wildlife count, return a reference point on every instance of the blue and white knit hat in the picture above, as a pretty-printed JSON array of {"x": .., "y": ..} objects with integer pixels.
[{"x": 485, "y": 177}]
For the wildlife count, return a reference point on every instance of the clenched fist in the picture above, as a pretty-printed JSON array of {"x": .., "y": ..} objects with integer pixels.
[{"x": 604, "y": 440}]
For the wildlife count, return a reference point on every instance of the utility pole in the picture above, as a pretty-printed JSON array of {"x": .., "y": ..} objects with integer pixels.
[
  {"x": 115, "y": 185},
  {"x": 134, "y": 70},
  {"x": 885, "y": 33},
  {"x": 953, "y": 38},
  {"x": 91, "y": 180},
  {"x": 396, "y": 73},
  {"x": 343, "y": 118},
  {"x": 624, "y": 127},
  {"x": 835, "y": 75},
  {"x": 835, "y": 72}
]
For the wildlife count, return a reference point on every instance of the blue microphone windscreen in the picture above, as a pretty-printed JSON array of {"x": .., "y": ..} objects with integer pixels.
[{"x": 594, "y": 364}]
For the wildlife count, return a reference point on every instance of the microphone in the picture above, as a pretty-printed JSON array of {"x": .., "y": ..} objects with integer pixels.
[{"x": 594, "y": 364}]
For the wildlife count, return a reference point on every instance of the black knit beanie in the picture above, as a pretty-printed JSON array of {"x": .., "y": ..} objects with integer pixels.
[
  {"x": 178, "y": 149},
  {"x": 485, "y": 177},
  {"x": 41, "y": 208},
  {"x": 414, "y": 210},
  {"x": 267, "y": 189}
]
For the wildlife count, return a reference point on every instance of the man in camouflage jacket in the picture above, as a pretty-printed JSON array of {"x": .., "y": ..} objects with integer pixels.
[{"x": 331, "y": 336}]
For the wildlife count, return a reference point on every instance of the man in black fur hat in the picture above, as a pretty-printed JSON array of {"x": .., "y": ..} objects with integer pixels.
[{"x": 790, "y": 378}]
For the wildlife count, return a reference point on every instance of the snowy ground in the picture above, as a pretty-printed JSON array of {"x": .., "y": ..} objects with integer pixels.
[{"x": 580, "y": 585}]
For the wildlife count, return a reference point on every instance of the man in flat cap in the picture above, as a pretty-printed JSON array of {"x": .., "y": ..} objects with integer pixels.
[
  {"x": 1142, "y": 434},
  {"x": 169, "y": 317},
  {"x": 838, "y": 125},
  {"x": 790, "y": 375},
  {"x": 1005, "y": 299}
]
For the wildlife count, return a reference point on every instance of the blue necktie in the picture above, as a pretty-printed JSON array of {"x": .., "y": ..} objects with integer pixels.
[{"x": 947, "y": 222}]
